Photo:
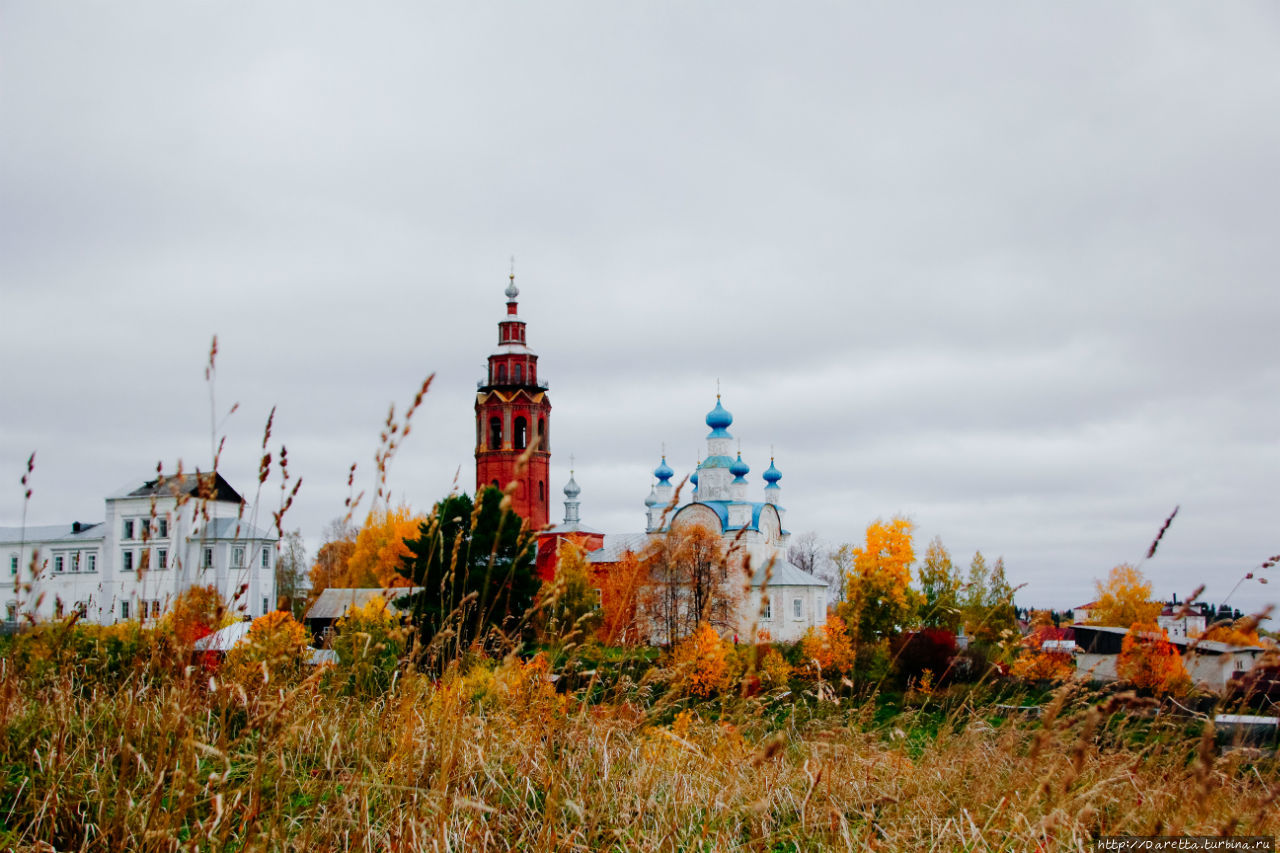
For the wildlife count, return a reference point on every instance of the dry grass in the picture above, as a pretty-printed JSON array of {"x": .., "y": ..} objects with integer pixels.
[{"x": 497, "y": 760}]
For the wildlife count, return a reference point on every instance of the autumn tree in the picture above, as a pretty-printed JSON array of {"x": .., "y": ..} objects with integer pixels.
[
  {"x": 940, "y": 585},
  {"x": 475, "y": 561},
  {"x": 691, "y": 579},
  {"x": 330, "y": 567},
  {"x": 879, "y": 601},
  {"x": 1124, "y": 598},
  {"x": 380, "y": 551},
  {"x": 369, "y": 642},
  {"x": 291, "y": 570},
  {"x": 275, "y": 648},
  {"x": 700, "y": 662},
  {"x": 569, "y": 606},
  {"x": 620, "y": 590},
  {"x": 987, "y": 604},
  {"x": 830, "y": 647},
  {"x": 1148, "y": 660},
  {"x": 1241, "y": 632},
  {"x": 806, "y": 552}
]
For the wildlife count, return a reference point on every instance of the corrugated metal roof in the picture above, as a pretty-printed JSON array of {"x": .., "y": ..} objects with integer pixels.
[
  {"x": 224, "y": 639},
  {"x": 1187, "y": 644},
  {"x": 334, "y": 603}
]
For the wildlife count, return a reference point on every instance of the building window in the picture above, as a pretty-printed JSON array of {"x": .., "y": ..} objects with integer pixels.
[
  {"x": 82, "y": 609},
  {"x": 57, "y": 608},
  {"x": 495, "y": 433},
  {"x": 208, "y": 559},
  {"x": 13, "y": 564},
  {"x": 265, "y": 607},
  {"x": 519, "y": 374},
  {"x": 144, "y": 559},
  {"x": 128, "y": 530},
  {"x": 502, "y": 374},
  {"x": 521, "y": 433},
  {"x": 766, "y": 608},
  {"x": 542, "y": 434},
  {"x": 155, "y": 608},
  {"x": 58, "y": 563},
  {"x": 797, "y": 608},
  {"x": 93, "y": 563},
  {"x": 542, "y": 491},
  {"x": 11, "y": 612},
  {"x": 237, "y": 557},
  {"x": 75, "y": 562},
  {"x": 124, "y": 610},
  {"x": 266, "y": 558},
  {"x": 163, "y": 525},
  {"x": 162, "y": 558},
  {"x": 126, "y": 562}
]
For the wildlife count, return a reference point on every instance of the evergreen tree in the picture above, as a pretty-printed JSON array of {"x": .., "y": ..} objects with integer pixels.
[{"x": 475, "y": 562}]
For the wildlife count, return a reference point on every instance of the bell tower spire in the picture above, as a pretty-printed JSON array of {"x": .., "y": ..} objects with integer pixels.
[{"x": 513, "y": 418}]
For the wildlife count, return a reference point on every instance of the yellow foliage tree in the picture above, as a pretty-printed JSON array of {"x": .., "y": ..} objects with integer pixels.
[
  {"x": 1124, "y": 598},
  {"x": 274, "y": 649},
  {"x": 377, "y": 560},
  {"x": 879, "y": 600},
  {"x": 1036, "y": 664},
  {"x": 1147, "y": 659},
  {"x": 1243, "y": 632},
  {"x": 701, "y": 662}
]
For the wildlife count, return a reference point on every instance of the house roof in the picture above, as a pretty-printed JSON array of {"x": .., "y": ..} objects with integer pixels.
[
  {"x": 215, "y": 486},
  {"x": 234, "y": 528},
  {"x": 53, "y": 533},
  {"x": 617, "y": 544},
  {"x": 1186, "y": 644},
  {"x": 334, "y": 603},
  {"x": 783, "y": 573},
  {"x": 224, "y": 639}
]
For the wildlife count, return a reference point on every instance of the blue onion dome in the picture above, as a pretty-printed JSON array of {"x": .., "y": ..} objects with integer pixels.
[
  {"x": 739, "y": 468},
  {"x": 652, "y": 500},
  {"x": 771, "y": 474},
  {"x": 663, "y": 472},
  {"x": 719, "y": 419},
  {"x": 693, "y": 478},
  {"x": 571, "y": 489}
]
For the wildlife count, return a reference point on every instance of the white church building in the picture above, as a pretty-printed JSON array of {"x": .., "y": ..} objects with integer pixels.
[
  {"x": 159, "y": 537},
  {"x": 782, "y": 601}
]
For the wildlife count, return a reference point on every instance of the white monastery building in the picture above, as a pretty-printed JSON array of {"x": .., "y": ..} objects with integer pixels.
[{"x": 160, "y": 537}]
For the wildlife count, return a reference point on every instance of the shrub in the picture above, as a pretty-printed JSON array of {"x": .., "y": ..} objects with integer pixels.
[
  {"x": 700, "y": 662},
  {"x": 369, "y": 643},
  {"x": 929, "y": 649},
  {"x": 274, "y": 649}
]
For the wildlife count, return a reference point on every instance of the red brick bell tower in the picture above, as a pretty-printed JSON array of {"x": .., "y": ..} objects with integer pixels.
[{"x": 513, "y": 415}]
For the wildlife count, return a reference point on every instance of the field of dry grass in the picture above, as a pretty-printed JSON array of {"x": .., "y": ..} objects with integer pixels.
[{"x": 153, "y": 758}]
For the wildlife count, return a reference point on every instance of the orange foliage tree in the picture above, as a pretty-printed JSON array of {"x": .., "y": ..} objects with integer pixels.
[
  {"x": 1147, "y": 659},
  {"x": 330, "y": 567},
  {"x": 275, "y": 648},
  {"x": 377, "y": 560},
  {"x": 690, "y": 579},
  {"x": 1237, "y": 633},
  {"x": 1124, "y": 598},
  {"x": 701, "y": 662},
  {"x": 831, "y": 647},
  {"x": 619, "y": 594},
  {"x": 879, "y": 600},
  {"x": 1037, "y": 664}
]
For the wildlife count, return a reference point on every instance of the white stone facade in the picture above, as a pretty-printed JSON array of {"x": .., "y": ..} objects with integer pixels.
[{"x": 158, "y": 539}]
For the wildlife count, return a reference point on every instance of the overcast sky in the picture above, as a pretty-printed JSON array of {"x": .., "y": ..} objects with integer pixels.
[{"x": 1007, "y": 269}]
